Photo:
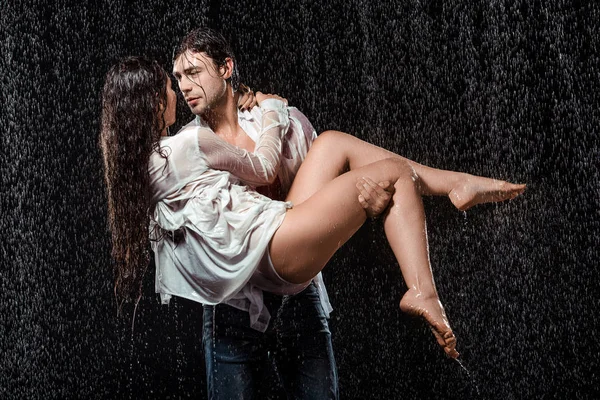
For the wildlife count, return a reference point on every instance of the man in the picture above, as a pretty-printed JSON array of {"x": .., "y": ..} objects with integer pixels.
[{"x": 244, "y": 336}]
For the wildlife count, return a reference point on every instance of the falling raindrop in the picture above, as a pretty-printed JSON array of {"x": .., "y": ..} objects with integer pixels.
[{"x": 505, "y": 89}]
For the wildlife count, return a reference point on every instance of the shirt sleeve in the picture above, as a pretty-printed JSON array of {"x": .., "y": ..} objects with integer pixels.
[{"x": 261, "y": 166}]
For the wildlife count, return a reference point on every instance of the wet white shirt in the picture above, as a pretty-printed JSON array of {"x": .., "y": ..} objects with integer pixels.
[{"x": 211, "y": 230}]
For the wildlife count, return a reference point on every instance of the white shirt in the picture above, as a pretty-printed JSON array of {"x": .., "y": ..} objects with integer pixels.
[{"x": 227, "y": 228}]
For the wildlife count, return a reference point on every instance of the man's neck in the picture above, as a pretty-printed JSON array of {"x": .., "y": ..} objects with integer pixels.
[{"x": 223, "y": 119}]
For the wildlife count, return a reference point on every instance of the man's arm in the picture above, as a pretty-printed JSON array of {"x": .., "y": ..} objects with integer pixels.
[{"x": 374, "y": 197}]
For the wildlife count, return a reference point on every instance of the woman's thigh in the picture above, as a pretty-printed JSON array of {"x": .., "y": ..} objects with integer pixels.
[{"x": 313, "y": 230}]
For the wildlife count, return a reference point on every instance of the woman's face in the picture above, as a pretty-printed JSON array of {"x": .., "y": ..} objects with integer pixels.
[{"x": 169, "y": 112}]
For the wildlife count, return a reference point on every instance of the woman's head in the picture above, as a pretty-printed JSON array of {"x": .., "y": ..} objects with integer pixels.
[
  {"x": 139, "y": 88},
  {"x": 138, "y": 105}
]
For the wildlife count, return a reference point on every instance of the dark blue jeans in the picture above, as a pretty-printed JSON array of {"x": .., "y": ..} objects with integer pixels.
[{"x": 297, "y": 344}]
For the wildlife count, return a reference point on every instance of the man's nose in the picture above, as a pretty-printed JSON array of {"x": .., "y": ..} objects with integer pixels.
[{"x": 184, "y": 85}]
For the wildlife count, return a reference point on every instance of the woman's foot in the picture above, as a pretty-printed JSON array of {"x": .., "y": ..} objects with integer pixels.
[
  {"x": 418, "y": 305},
  {"x": 477, "y": 189}
]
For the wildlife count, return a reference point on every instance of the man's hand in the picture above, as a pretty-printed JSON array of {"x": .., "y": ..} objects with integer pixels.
[
  {"x": 373, "y": 197},
  {"x": 247, "y": 100}
]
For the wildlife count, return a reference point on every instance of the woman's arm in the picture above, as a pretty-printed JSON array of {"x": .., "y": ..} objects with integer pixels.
[{"x": 261, "y": 166}]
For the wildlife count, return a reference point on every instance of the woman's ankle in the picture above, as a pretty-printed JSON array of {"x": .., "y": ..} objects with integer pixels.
[{"x": 415, "y": 297}]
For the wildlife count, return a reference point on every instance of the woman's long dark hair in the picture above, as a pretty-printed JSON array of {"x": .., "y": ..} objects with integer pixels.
[{"x": 133, "y": 92}]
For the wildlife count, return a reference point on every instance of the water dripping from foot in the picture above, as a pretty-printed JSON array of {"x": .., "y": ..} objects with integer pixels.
[{"x": 473, "y": 383}]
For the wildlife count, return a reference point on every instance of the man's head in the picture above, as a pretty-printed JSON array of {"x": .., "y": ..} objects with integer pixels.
[{"x": 204, "y": 66}]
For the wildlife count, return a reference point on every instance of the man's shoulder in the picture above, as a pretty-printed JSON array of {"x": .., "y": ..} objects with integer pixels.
[
  {"x": 295, "y": 113},
  {"x": 300, "y": 126},
  {"x": 304, "y": 125},
  {"x": 256, "y": 113}
]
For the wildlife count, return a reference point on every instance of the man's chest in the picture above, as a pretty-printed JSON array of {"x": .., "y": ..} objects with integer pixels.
[
  {"x": 243, "y": 141},
  {"x": 240, "y": 139}
]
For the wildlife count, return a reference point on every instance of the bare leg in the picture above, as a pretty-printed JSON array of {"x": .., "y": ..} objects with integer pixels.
[
  {"x": 464, "y": 190},
  {"x": 314, "y": 229}
]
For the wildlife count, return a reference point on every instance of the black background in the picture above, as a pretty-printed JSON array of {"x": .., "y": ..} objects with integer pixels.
[{"x": 499, "y": 88}]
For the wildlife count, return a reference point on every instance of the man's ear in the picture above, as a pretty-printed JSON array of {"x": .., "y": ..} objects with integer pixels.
[{"x": 227, "y": 69}]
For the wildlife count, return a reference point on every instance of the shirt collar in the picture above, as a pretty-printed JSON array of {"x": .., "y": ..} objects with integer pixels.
[{"x": 243, "y": 115}]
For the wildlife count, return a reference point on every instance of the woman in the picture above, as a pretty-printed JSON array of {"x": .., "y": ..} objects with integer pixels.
[{"x": 212, "y": 232}]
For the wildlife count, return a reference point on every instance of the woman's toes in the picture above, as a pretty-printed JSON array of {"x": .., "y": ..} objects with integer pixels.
[{"x": 452, "y": 353}]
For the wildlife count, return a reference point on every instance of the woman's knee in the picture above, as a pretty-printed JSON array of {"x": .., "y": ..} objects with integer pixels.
[
  {"x": 401, "y": 172},
  {"x": 331, "y": 145},
  {"x": 329, "y": 138}
]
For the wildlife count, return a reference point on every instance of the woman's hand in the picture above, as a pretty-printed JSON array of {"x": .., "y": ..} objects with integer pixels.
[
  {"x": 260, "y": 97},
  {"x": 247, "y": 99}
]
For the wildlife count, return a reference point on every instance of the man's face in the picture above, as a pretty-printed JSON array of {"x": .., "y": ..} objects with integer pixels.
[{"x": 201, "y": 82}]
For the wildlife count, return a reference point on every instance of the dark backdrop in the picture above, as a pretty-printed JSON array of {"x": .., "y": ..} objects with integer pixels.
[{"x": 500, "y": 88}]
